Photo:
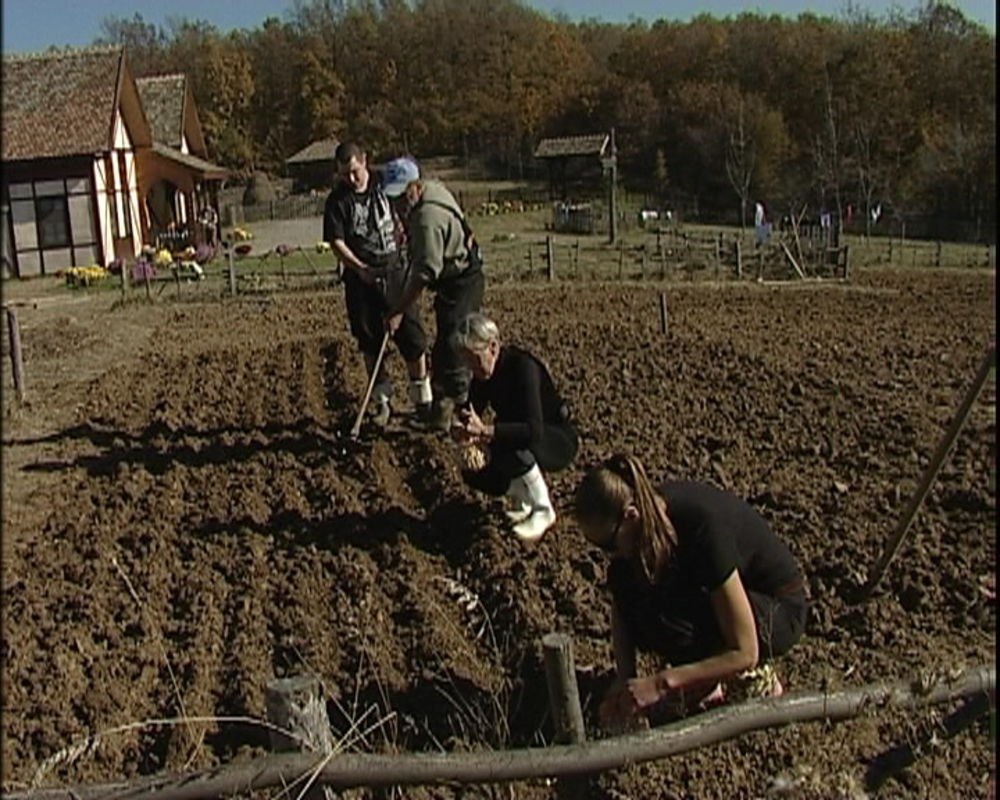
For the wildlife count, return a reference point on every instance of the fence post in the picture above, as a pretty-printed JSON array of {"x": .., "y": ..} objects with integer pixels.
[
  {"x": 564, "y": 705},
  {"x": 739, "y": 259},
  {"x": 663, "y": 313},
  {"x": 232, "y": 271},
  {"x": 550, "y": 258},
  {"x": 296, "y": 705},
  {"x": 937, "y": 255},
  {"x": 16, "y": 360}
]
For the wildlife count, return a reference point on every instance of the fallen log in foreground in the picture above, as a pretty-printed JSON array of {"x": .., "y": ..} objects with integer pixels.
[{"x": 351, "y": 769}]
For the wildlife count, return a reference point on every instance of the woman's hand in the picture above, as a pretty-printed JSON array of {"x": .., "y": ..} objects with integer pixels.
[
  {"x": 468, "y": 427},
  {"x": 646, "y": 692},
  {"x": 624, "y": 707}
]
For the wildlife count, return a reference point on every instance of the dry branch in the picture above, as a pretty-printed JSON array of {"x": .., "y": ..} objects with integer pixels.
[
  {"x": 794, "y": 263},
  {"x": 726, "y": 722}
]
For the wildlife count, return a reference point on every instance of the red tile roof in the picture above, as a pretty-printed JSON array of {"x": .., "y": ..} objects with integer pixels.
[
  {"x": 59, "y": 103},
  {"x": 163, "y": 101}
]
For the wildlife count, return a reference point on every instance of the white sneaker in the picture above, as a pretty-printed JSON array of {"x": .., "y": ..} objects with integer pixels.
[{"x": 542, "y": 515}]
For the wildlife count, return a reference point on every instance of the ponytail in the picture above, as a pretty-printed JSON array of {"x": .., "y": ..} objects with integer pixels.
[{"x": 607, "y": 491}]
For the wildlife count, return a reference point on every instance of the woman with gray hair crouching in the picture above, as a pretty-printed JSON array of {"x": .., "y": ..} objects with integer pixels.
[{"x": 530, "y": 431}]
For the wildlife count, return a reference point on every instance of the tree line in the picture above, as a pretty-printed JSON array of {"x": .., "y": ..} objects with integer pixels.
[{"x": 850, "y": 114}]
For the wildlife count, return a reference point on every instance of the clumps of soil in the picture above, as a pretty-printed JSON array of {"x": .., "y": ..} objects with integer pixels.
[{"x": 211, "y": 528}]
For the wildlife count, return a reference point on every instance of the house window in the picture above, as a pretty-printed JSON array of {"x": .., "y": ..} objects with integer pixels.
[
  {"x": 53, "y": 224},
  {"x": 52, "y": 216}
]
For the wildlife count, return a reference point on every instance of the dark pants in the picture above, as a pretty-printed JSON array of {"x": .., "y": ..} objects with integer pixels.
[
  {"x": 684, "y": 629},
  {"x": 367, "y": 307},
  {"x": 455, "y": 298},
  {"x": 554, "y": 452}
]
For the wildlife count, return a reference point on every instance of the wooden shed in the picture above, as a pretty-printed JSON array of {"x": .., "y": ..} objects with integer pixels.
[
  {"x": 574, "y": 164},
  {"x": 313, "y": 166}
]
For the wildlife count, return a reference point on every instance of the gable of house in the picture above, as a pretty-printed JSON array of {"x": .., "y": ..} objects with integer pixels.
[{"x": 173, "y": 116}]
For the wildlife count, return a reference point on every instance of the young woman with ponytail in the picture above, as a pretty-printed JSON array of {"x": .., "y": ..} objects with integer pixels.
[{"x": 696, "y": 577}]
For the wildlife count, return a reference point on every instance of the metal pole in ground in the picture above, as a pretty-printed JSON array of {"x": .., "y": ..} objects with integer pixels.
[
  {"x": 549, "y": 256},
  {"x": 937, "y": 461},
  {"x": 16, "y": 360},
  {"x": 564, "y": 704}
]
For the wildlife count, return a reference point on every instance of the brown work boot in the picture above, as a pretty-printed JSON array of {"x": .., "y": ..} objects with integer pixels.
[{"x": 442, "y": 412}]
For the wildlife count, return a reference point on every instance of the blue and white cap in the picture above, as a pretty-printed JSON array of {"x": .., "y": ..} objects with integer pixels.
[{"x": 397, "y": 174}]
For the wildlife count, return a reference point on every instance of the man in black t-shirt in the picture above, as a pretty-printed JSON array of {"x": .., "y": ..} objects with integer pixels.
[{"x": 359, "y": 225}]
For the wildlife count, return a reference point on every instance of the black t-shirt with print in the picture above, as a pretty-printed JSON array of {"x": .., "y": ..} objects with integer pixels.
[{"x": 363, "y": 220}]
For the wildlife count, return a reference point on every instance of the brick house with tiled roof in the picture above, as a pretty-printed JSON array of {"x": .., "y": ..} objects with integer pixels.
[{"x": 79, "y": 161}]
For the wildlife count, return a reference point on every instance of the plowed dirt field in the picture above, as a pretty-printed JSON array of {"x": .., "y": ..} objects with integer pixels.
[{"x": 184, "y": 520}]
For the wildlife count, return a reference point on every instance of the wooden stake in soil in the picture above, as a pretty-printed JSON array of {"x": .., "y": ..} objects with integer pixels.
[
  {"x": 943, "y": 448},
  {"x": 232, "y": 271},
  {"x": 739, "y": 259},
  {"x": 16, "y": 361},
  {"x": 296, "y": 705},
  {"x": 663, "y": 313},
  {"x": 564, "y": 704}
]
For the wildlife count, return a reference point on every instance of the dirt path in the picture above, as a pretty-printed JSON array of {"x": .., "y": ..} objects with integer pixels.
[{"x": 183, "y": 520}]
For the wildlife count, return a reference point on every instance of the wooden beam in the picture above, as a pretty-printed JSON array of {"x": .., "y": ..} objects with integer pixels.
[
  {"x": 361, "y": 769},
  {"x": 794, "y": 263},
  {"x": 926, "y": 481}
]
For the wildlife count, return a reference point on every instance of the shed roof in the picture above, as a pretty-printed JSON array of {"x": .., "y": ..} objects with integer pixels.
[
  {"x": 192, "y": 162},
  {"x": 60, "y": 103},
  {"x": 320, "y": 150},
  {"x": 588, "y": 145},
  {"x": 163, "y": 101}
]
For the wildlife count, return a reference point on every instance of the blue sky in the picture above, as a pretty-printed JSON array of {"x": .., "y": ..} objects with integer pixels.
[{"x": 37, "y": 24}]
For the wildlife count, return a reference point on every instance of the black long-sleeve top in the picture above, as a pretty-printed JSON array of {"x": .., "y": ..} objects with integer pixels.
[{"x": 523, "y": 398}]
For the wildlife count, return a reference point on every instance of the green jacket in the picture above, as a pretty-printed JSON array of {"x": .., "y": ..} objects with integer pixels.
[{"x": 437, "y": 247}]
